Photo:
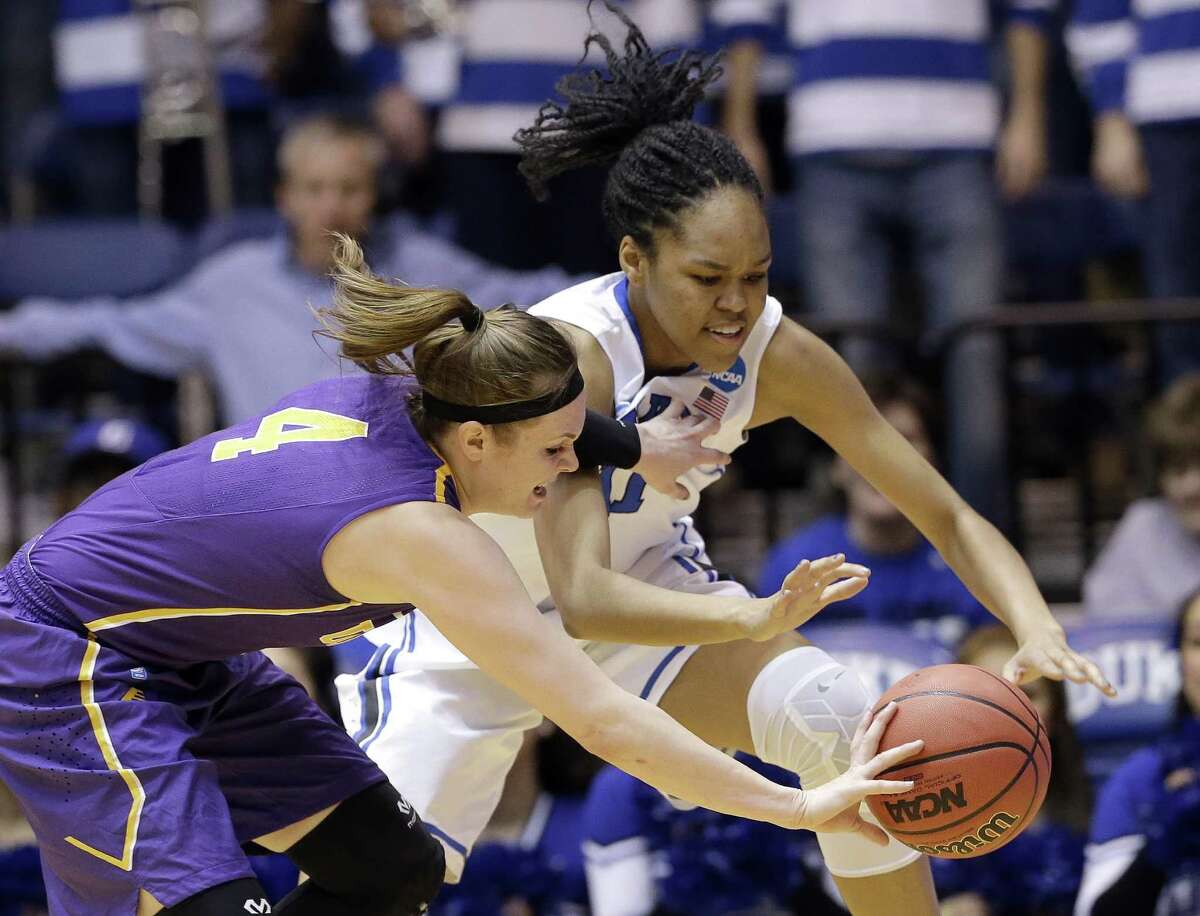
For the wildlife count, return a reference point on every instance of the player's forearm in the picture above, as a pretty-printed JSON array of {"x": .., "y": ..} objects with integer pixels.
[
  {"x": 995, "y": 573},
  {"x": 600, "y": 604},
  {"x": 608, "y": 606},
  {"x": 645, "y": 742}
]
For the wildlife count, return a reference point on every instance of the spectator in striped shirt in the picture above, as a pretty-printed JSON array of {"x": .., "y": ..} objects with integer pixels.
[
  {"x": 100, "y": 64},
  {"x": 1140, "y": 62},
  {"x": 510, "y": 54},
  {"x": 894, "y": 123}
]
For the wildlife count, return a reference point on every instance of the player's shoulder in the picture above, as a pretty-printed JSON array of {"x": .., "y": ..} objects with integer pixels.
[{"x": 595, "y": 295}]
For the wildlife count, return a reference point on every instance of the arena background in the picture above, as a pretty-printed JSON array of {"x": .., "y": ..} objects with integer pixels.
[{"x": 139, "y": 162}]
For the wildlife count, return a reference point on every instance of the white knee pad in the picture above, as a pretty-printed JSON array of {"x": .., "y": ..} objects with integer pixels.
[{"x": 804, "y": 708}]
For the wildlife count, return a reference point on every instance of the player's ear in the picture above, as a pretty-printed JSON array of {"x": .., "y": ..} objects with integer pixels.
[
  {"x": 633, "y": 260},
  {"x": 472, "y": 439}
]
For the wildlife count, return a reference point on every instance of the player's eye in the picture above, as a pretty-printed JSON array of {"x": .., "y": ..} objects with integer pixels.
[
  {"x": 555, "y": 450},
  {"x": 706, "y": 281},
  {"x": 755, "y": 278}
]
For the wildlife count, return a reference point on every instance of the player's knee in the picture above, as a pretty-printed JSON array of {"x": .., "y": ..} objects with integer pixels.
[
  {"x": 803, "y": 708},
  {"x": 375, "y": 851},
  {"x": 418, "y": 868}
]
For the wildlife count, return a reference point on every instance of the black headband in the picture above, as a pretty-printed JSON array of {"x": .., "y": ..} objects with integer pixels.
[{"x": 505, "y": 413}]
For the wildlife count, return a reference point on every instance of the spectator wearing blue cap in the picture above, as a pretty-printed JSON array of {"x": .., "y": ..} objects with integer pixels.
[{"x": 98, "y": 451}]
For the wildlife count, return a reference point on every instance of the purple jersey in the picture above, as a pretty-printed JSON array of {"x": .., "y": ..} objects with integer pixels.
[{"x": 214, "y": 549}]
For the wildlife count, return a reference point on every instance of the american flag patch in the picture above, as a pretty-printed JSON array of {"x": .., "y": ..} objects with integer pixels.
[{"x": 711, "y": 402}]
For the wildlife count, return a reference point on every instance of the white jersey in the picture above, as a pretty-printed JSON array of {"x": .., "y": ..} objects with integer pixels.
[
  {"x": 643, "y": 521},
  {"x": 453, "y": 739}
]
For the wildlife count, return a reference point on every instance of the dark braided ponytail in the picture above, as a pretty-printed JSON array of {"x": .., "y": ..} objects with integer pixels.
[{"x": 639, "y": 114}]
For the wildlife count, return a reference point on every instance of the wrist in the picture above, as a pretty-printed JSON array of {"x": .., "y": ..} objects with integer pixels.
[
  {"x": 1024, "y": 630},
  {"x": 797, "y": 811},
  {"x": 745, "y": 617}
]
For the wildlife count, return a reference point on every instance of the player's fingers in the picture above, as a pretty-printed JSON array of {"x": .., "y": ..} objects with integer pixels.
[
  {"x": 1096, "y": 677},
  {"x": 886, "y": 759},
  {"x": 800, "y": 577},
  {"x": 842, "y": 571},
  {"x": 860, "y": 732},
  {"x": 1049, "y": 667},
  {"x": 886, "y": 786},
  {"x": 826, "y": 565},
  {"x": 870, "y": 739},
  {"x": 702, "y": 429},
  {"x": 1015, "y": 670},
  {"x": 681, "y": 492},
  {"x": 714, "y": 456},
  {"x": 674, "y": 410},
  {"x": 840, "y": 591},
  {"x": 1071, "y": 667}
]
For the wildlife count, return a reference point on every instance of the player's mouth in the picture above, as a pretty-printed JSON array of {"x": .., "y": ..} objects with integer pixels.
[{"x": 727, "y": 333}]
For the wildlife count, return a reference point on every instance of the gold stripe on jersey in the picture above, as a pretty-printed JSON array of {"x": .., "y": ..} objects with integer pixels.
[
  {"x": 173, "y": 613},
  {"x": 87, "y": 693},
  {"x": 439, "y": 483}
]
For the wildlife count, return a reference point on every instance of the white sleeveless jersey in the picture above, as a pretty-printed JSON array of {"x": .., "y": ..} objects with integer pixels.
[{"x": 642, "y": 520}]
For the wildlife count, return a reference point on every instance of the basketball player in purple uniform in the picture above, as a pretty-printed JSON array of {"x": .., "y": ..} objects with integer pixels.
[{"x": 149, "y": 740}]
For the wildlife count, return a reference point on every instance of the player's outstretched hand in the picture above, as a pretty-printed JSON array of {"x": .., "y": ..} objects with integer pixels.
[
  {"x": 810, "y": 587},
  {"x": 671, "y": 446},
  {"x": 834, "y": 807},
  {"x": 1047, "y": 654}
]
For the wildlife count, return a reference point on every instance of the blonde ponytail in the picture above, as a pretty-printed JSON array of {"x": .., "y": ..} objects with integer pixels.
[
  {"x": 375, "y": 322},
  {"x": 497, "y": 357}
]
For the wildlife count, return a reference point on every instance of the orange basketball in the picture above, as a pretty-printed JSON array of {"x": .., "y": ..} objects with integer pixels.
[{"x": 983, "y": 773}]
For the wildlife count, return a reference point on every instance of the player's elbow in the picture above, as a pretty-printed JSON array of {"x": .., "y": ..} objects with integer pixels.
[
  {"x": 580, "y": 601},
  {"x": 578, "y": 620}
]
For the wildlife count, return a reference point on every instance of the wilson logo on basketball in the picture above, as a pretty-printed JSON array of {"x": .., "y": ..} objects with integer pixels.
[
  {"x": 930, "y": 804},
  {"x": 991, "y": 832}
]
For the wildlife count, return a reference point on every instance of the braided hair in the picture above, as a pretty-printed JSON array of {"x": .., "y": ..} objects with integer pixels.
[{"x": 638, "y": 113}]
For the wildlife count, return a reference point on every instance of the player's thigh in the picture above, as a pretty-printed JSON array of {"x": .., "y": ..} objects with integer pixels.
[
  {"x": 446, "y": 737},
  {"x": 284, "y": 764},
  {"x": 95, "y": 747},
  {"x": 709, "y": 695}
]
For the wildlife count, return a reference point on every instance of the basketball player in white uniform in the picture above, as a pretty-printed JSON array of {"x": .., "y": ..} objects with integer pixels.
[{"x": 686, "y": 325}]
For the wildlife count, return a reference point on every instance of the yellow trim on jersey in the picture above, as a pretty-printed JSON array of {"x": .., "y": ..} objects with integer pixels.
[
  {"x": 87, "y": 693},
  {"x": 172, "y": 613},
  {"x": 341, "y": 636},
  {"x": 439, "y": 483}
]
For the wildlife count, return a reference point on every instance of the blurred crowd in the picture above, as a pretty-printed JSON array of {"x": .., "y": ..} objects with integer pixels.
[{"x": 173, "y": 172}]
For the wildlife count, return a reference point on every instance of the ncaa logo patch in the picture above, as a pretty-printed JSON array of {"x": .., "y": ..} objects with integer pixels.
[{"x": 731, "y": 379}]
